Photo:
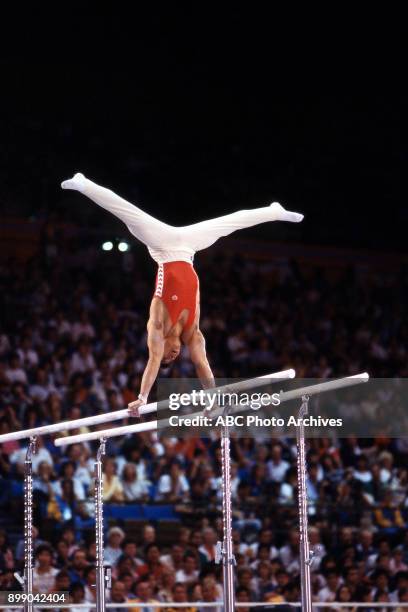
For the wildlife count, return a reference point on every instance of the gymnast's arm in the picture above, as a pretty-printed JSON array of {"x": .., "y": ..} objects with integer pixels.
[
  {"x": 198, "y": 355},
  {"x": 155, "y": 343}
]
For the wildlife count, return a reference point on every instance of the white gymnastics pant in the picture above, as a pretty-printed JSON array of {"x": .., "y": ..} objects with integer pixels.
[{"x": 168, "y": 243}]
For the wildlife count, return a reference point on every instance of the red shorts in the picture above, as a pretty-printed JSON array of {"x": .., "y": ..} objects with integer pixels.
[{"x": 177, "y": 285}]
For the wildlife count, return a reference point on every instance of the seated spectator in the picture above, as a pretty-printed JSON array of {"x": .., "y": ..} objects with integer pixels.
[
  {"x": 386, "y": 461},
  {"x": 129, "y": 548},
  {"x": 22, "y": 399},
  {"x": 361, "y": 471},
  {"x": 312, "y": 488},
  {"x": 196, "y": 540},
  {"x": 180, "y": 595},
  {"x": 188, "y": 573},
  {"x": 89, "y": 577},
  {"x": 290, "y": 552},
  {"x": 168, "y": 580},
  {"x": 148, "y": 536},
  {"x": 112, "y": 486},
  {"x": 143, "y": 596},
  {"x": 78, "y": 566},
  {"x": 387, "y": 516},
  {"x": 62, "y": 554},
  {"x": 129, "y": 581},
  {"x": 265, "y": 539},
  {"x": 44, "y": 572},
  {"x": 43, "y": 481},
  {"x": 351, "y": 578},
  {"x": 62, "y": 582},
  {"x": 257, "y": 480},
  {"x": 288, "y": 488},
  {"x": 243, "y": 595},
  {"x": 245, "y": 580},
  {"x": 208, "y": 546},
  {"x": 263, "y": 554},
  {"x": 16, "y": 372},
  {"x": 65, "y": 507},
  {"x": 78, "y": 597},
  {"x": 403, "y": 598},
  {"x": 113, "y": 550},
  {"x": 374, "y": 489},
  {"x": 67, "y": 471},
  {"x": 383, "y": 562},
  {"x": 343, "y": 595},
  {"x": 210, "y": 594},
  {"x": 174, "y": 560},
  {"x": 364, "y": 593},
  {"x": 68, "y": 536},
  {"x": 82, "y": 360},
  {"x": 400, "y": 581},
  {"x": 173, "y": 486},
  {"x": 126, "y": 564},
  {"x": 117, "y": 594},
  {"x": 263, "y": 583},
  {"x": 282, "y": 578},
  {"x": 381, "y": 596},
  {"x": 328, "y": 592},
  {"x": 42, "y": 388},
  {"x": 291, "y": 592},
  {"x": 134, "y": 489},
  {"x": 345, "y": 503},
  {"x": 153, "y": 566},
  {"x": 277, "y": 467},
  {"x": 82, "y": 328},
  {"x": 131, "y": 453},
  {"x": 365, "y": 548},
  {"x": 380, "y": 579}
]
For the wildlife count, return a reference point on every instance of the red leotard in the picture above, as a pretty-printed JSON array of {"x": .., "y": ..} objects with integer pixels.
[{"x": 177, "y": 285}]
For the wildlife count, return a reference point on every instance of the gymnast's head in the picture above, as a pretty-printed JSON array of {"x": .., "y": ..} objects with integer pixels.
[{"x": 172, "y": 347}]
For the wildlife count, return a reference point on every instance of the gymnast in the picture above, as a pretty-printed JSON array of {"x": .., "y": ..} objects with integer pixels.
[{"x": 175, "y": 306}]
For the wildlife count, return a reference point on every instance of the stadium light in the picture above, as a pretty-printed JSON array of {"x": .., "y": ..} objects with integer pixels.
[
  {"x": 123, "y": 247},
  {"x": 107, "y": 246}
]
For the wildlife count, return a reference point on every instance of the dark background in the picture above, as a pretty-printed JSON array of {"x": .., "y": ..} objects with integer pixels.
[{"x": 194, "y": 113}]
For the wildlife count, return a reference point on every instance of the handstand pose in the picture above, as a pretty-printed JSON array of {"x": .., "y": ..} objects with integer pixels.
[{"x": 175, "y": 307}]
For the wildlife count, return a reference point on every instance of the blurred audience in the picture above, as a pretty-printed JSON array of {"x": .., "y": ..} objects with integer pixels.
[{"x": 72, "y": 343}]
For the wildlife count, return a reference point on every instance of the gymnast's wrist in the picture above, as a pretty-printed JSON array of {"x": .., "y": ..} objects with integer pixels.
[{"x": 142, "y": 397}]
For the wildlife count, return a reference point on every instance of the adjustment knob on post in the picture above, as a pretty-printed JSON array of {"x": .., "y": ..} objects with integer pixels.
[
  {"x": 108, "y": 577},
  {"x": 19, "y": 578},
  {"x": 218, "y": 553}
]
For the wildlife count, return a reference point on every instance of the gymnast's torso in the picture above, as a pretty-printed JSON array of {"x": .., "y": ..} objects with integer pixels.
[{"x": 177, "y": 287}]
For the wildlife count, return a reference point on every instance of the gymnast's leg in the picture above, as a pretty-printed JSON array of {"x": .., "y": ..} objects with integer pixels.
[
  {"x": 147, "y": 229},
  {"x": 204, "y": 234}
]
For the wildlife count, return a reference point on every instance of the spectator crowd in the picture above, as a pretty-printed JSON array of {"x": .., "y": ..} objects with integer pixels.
[{"x": 72, "y": 343}]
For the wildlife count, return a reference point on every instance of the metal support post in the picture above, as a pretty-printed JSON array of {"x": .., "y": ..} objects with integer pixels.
[
  {"x": 305, "y": 556},
  {"x": 225, "y": 549},
  {"x": 103, "y": 574}
]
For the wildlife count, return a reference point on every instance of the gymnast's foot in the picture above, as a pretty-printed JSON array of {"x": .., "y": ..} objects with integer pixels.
[
  {"x": 78, "y": 182},
  {"x": 285, "y": 215}
]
